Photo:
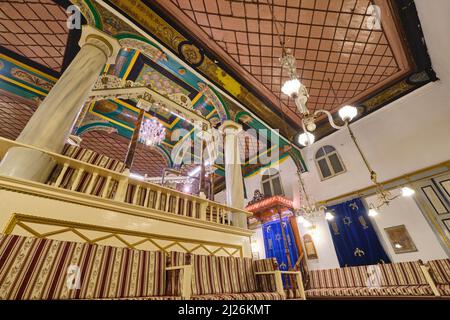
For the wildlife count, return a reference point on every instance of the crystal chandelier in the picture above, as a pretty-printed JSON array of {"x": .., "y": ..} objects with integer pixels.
[
  {"x": 309, "y": 211},
  {"x": 152, "y": 132}
]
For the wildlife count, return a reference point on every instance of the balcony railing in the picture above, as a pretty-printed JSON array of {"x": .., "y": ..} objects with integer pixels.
[{"x": 94, "y": 181}]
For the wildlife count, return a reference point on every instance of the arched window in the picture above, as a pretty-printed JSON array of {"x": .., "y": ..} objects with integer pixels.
[
  {"x": 329, "y": 162},
  {"x": 271, "y": 183}
]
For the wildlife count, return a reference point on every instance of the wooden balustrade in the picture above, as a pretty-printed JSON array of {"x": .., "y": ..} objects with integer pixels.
[{"x": 78, "y": 176}]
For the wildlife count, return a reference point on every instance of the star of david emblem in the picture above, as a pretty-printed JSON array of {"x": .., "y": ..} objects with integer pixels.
[{"x": 347, "y": 221}]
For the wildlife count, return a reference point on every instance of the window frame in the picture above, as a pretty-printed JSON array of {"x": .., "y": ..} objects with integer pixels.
[
  {"x": 269, "y": 178},
  {"x": 326, "y": 156}
]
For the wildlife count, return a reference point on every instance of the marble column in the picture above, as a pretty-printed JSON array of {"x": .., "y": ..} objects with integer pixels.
[
  {"x": 52, "y": 123},
  {"x": 234, "y": 181}
]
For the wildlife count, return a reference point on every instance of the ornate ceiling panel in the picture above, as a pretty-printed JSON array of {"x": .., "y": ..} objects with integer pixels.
[
  {"x": 14, "y": 115},
  {"x": 340, "y": 58},
  {"x": 36, "y": 30}
]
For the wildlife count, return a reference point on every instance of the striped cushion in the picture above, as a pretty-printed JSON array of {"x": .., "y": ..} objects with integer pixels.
[
  {"x": 146, "y": 298},
  {"x": 173, "y": 278},
  {"x": 402, "y": 274},
  {"x": 32, "y": 268},
  {"x": 400, "y": 291},
  {"x": 440, "y": 270},
  {"x": 236, "y": 275},
  {"x": 444, "y": 289},
  {"x": 93, "y": 158},
  {"x": 338, "y": 278},
  {"x": 205, "y": 278},
  {"x": 214, "y": 275},
  {"x": 266, "y": 283},
  {"x": 241, "y": 296}
]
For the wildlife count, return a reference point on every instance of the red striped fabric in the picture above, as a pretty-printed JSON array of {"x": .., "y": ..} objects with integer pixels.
[
  {"x": 241, "y": 296},
  {"x": 32, "y": 268},
  {"x": 440, "y": 270},
  {"x": 222, "y": 276},
  {"x": 93, "y": 158}
]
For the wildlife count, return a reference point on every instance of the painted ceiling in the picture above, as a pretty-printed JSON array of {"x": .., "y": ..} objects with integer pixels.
[
  {"x": 198, "y": 47},
  {"x": 36, "y": 30},
  {"x": 105, "y": 126}
]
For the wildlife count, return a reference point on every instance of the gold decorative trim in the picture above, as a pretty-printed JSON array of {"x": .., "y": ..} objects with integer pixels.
[
  {"x": 64, "y": 195},
  {"x": 366, "y": 191},
  {"x": 76, "y": 228}
]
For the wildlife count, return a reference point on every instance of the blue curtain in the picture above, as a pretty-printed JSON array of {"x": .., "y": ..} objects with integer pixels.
[
  {"x": 274, "y": 244},
  {"x": 354, "y": 237}
]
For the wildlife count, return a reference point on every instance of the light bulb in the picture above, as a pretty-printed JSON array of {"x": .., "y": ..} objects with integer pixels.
[
  {"x": 311, "y": 127},
  {"x": 347, "y": 113},
  {"x": 291, "y": 87},
  {"x": 407, "y": 192},
  {"x": 373, "y": 212},
  {"x": 306, "y": 139},
  {"x": 329, "y": 216}
]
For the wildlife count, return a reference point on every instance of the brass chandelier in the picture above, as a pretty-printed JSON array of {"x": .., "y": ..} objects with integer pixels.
[{"x": 299, "y": 93}]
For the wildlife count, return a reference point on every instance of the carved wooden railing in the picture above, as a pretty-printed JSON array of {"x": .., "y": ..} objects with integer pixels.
[{"x": 95, "y": 181}]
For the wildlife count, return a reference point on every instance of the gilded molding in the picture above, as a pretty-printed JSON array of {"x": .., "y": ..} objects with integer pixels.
[
  {"x": 23, "y": 221},
  {"x": 51, "y": 192}
]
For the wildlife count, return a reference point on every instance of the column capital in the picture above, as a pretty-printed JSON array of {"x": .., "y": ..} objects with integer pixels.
[
  {"x": 230, "y": 127},
  {"x": 107, "y": 44}
]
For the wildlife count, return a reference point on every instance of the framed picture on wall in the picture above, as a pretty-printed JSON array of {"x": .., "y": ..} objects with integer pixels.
[
  {"x": 310, "y": 248},
  {"x": 400, "y": 239}
]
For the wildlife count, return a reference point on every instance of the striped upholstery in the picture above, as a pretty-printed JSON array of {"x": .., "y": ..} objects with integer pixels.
[
  {"x": 241, "y": 296},
  {"x": 400, "y": 291},
  {"x": 402, "y": 274},
  {"x": 173, "y": 280},
  {"x": 236, "y": 275},
  {"x": 32, "y": 268},
  {"x": 440, "y": 271},
  {"x": 350, "y": 277},
  {"x": 89, "y": 156},
  {"x": 266, "y": 283},
  {"x": 92, "y": 157},
  {"x": 396, "y": 279},
  {"x": 223, "y": 278},
  {"x": 205, "y": 278}
]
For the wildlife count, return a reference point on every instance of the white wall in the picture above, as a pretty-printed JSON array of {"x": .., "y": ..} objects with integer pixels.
[
  {"x": 405, "y": 136},
  {"x": 289, "y": 180},
  {"x": 324, "y": 246},
  {"x": 408, "y": 134},
  {"x": 259, "y": 246},
  {"x": 404, "y": 211}
]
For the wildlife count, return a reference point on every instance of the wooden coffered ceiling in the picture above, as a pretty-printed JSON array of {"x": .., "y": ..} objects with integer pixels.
[
  {"x": 341, "y": 59},
  {"x": 230, "y": 44},
  {"x": 36, "y": 30}
]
